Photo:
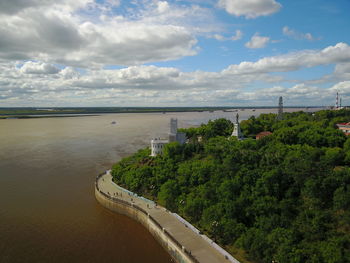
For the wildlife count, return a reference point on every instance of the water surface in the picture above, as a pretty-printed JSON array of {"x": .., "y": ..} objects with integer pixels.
[{"x": 48, "y": 212}]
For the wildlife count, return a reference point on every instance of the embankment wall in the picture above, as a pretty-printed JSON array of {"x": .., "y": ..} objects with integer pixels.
[{"x": 168, "y": 242}]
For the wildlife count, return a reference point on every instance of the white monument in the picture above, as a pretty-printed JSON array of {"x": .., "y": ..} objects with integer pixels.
[{"x": 237, "y": 129}]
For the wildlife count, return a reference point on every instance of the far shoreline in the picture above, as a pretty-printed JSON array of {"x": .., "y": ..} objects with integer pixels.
[
  {"x": 15, "y": 117},
  {"x": 31, "y": 113}
]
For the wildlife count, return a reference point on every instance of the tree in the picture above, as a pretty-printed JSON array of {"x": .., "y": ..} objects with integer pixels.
[
  {"x": 168, "y": 194},
  {"x": 219, "y": 127},
  {"x": 284, "y": 198}
]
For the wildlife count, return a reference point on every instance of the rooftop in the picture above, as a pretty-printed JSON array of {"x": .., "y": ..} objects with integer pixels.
[
  {"x": 157, "y": 140},
  {"x": 344, "y": 123}
]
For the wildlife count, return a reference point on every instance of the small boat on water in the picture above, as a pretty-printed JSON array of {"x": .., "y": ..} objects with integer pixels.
[{"x": 113, "y": 122}]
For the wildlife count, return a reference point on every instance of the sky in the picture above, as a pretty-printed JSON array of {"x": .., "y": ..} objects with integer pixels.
[{"x": 174, "y": 53}]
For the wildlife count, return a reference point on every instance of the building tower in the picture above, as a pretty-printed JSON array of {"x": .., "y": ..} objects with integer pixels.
[
  {"x": 157, "y": 144},
  {"x": 237, "y": 129},
  {"x": 174, "y": 135},
  {"x": 173, "y": 125},
  {"x": 173, "y": 130},
  {"x": 280, "y": 109}
]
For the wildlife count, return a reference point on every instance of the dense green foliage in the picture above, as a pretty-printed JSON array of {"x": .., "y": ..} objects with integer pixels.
[{"x": 285, "y": 197}]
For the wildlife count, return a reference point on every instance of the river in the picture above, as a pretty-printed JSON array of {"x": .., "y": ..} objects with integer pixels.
[{"x": 48, "y": 212}]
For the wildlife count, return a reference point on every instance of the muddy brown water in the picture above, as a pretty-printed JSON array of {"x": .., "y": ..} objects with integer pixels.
[{"x": 48, "y": 212}]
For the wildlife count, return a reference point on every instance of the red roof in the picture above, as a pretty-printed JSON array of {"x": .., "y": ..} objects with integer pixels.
[
  {"x": 262, "y": 134},
  {"x": 344, "y": 123}
]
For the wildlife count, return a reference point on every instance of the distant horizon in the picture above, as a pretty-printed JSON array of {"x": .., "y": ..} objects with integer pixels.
[{"x": 162, "y": 107}]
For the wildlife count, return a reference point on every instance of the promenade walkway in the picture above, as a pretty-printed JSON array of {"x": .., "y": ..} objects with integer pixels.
[{"x": 202, "y": 250}]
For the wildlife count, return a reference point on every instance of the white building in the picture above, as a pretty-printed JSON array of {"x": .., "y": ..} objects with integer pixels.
[
  {"x": 237, "y": 129},
  {"x": 157, "y": 145}
]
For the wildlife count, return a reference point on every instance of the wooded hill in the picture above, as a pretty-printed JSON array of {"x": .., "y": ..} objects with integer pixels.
[{"x": 283, "y": 198}]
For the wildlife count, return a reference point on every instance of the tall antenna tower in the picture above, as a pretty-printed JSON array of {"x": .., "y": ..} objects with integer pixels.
[
  {"x": 280, "y": 109},
  {"x": 337, "y": 102}
]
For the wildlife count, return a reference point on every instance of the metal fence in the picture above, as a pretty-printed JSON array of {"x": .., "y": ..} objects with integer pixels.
[{"x": 207, "y": 239}]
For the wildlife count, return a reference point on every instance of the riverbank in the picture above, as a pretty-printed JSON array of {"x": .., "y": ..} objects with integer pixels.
[
  {"x": 101, "y": 110},
  {"x": 26, "y": 113},
  {"x": 44, "y": 116},
  {"x": 183, "y": 242}
]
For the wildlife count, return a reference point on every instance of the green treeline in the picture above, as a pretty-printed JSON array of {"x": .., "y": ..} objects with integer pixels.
[{"x": 284, "y": 198}]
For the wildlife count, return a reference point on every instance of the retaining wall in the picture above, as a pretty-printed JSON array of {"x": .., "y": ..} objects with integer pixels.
[{"x": 168, "y": 242}]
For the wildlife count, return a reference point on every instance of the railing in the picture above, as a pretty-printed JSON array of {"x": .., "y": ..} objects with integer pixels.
[
  {"x": 117, "y": 200},
  {"x": 187, "y": 224},
  {"x": 207, "y": 239}
]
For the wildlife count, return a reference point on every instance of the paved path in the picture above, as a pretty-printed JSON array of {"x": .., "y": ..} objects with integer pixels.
[{"x": 199, "y": 248}]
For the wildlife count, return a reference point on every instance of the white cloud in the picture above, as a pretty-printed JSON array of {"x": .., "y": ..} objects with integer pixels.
[
  {"x": 342, "y": 87},
  {"x": 39, "y": 68},
  {"x": 342, "y": 70},
  {"x": 297, "y": 35},
  {"x": 341, "y": 73},
  {"x": 250, "y": 8},
  {"x": 69, "y": 73},
  {"x": 238, "y": 35},
  {"x": 257, "y": 41},
  {"x": 340, "y": 53},
  {"x": 302, "y": 91},
  {"x": 219, "y": 37},
  {"x": 56, "y": 33},
  {"x": 194, "y": 18},
  {"x": 135, "y": 77},
  {"x": 14, "y": 6},
  {"x": 151, "y": 85},
  {"x": 114, "y": 3},
  {"x": 163, "y": 6},
  {"x": 115, "y": 86},
  {"x": 299, "y": 94}
]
